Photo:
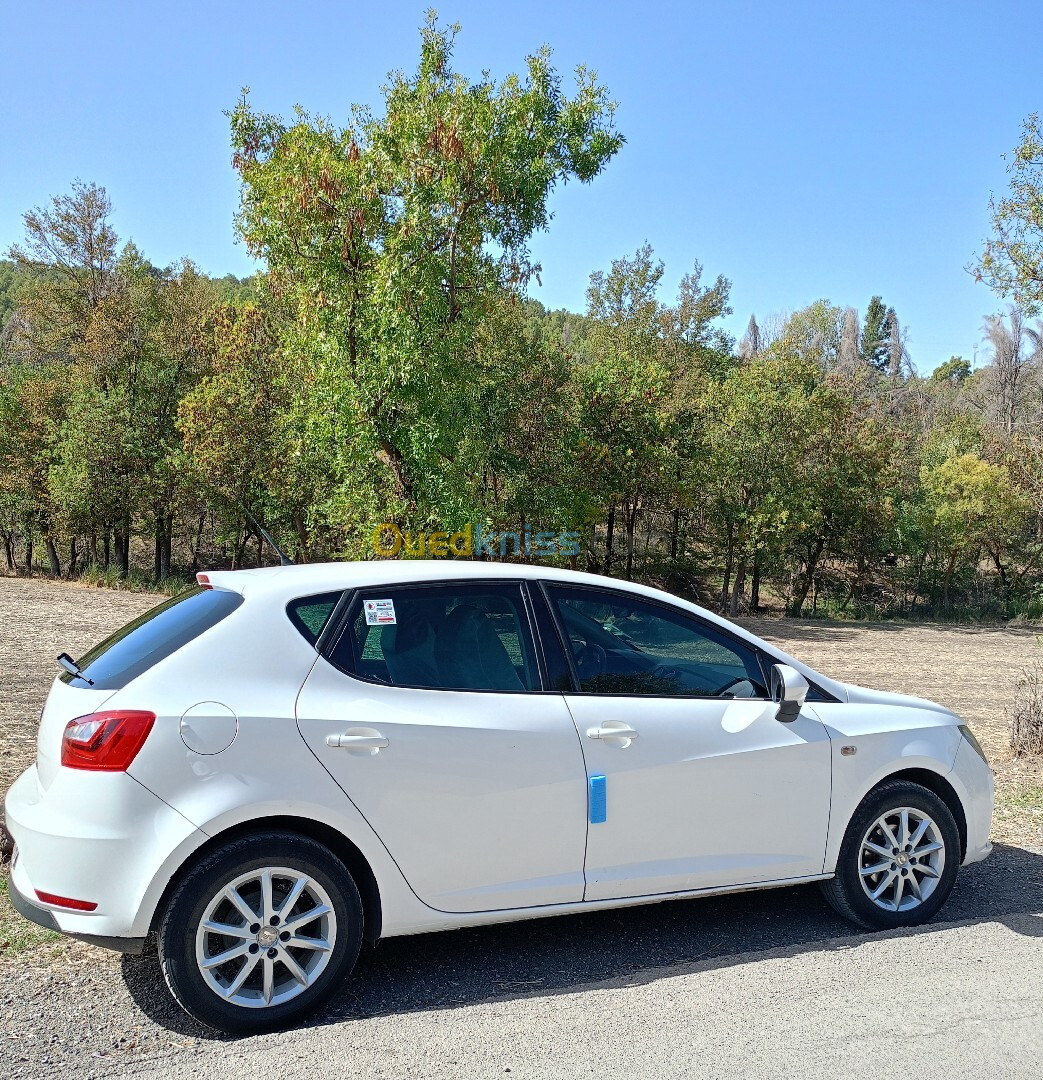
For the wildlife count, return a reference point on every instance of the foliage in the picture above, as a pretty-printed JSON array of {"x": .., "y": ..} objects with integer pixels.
[
  {"x": 1012, "y": 260},
  {"x": 388, "y": 365},
  {"x": 390, "y": 241}
]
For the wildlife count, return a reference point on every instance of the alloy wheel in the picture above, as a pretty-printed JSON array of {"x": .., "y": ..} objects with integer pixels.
[
  {"x": 901, "y": 859},
  {"x": 265, "y": 937}
]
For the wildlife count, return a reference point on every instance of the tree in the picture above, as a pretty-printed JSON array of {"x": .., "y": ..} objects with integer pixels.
[
  {"x": 849, "y": 355},
  {"x": 246, "y": 433},
  {"x": 751, "y": 343},
  {"x": 815, "y": 333},
  {"x": 69, "y": 256},
  {"x": 644, "y": 365},
  {"x": 954, "y": 372},
  {"x": 875, "y": 334},
  {"x": 1017, "y": 354},
  {"x": 971, "y": 505},
  {"x": 390, "y": 239},
  {"x": 1011, "y": 263}
]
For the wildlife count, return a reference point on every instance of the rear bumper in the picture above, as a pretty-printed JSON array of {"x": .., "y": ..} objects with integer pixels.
[
  {"x": 96, "y": 837},
  {"x": 44, "y": 917}
]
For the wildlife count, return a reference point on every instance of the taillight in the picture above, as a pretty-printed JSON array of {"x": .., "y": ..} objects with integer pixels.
[
  {"x": 106, "y": 741},
  {"x": 203, "y": 581}
]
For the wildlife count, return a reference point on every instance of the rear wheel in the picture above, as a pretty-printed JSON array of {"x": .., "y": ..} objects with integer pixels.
[
  {"x": 260, "y": 933},
  {"x": 899, "y": 858}
]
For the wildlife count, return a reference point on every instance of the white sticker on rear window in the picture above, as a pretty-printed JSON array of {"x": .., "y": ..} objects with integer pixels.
[{"x": 380, "y": 612}]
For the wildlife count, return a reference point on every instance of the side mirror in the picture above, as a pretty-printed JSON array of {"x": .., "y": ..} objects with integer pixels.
[{"x": 789, "y": 688}]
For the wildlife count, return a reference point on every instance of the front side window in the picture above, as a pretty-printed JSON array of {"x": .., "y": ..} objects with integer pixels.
[
  {"x": 153, "y": 636},
  {"x": 626, "y": 645},
  {"x": 441, "y": 637}
]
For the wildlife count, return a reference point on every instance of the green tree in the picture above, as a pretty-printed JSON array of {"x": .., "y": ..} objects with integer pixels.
[
  {"x": 876, "y": 334},
  {"x": 972, "y": 505},
  {"x": 1012, "y": 260},
  {"x": 953, "y": 372},
  {"x": 391, "y": 239}
]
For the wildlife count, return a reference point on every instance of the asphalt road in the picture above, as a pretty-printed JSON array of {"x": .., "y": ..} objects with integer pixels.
[
  {"x": 964, "y": 1001},
  {"x": 758, "y": 984}
]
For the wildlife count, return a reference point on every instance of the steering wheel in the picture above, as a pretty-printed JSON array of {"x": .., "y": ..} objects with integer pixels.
[
  {"x": 730, "y": 683},
  {"x": 591, "y": 661}
]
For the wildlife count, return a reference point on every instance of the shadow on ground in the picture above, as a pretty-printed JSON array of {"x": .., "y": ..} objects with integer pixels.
[{"x": 632, "y": 945}]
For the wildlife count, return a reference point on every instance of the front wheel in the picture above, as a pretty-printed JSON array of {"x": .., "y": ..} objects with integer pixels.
[
  {"x": 899, "y": 858},
  {"x": 260, "y": 933}
]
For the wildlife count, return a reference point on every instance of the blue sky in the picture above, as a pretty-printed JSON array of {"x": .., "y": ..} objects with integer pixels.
[{"x": 804, "y": 150}]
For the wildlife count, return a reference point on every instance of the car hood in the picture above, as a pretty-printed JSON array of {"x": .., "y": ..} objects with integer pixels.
[{"x": 863, "y": 695}]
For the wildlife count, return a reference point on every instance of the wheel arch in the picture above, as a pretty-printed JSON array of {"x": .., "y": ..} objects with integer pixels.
[
  {"x": 332, "y": 839},
  {"x": 941, "y": 787}
]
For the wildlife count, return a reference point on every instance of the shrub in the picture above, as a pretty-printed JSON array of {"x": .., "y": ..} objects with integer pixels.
[{"x": 1026, "y": 722}]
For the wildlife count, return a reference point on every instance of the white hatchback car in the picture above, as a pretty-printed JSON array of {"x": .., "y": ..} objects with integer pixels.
[{"x": 272, "y": 767}]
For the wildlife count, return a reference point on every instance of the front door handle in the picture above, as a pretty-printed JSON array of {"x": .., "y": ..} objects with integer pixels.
[
  {"x": 613, "y": 732},
  {"x": 359, "y": 741}
]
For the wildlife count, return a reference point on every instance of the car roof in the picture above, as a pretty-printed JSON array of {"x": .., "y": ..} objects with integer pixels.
[{"x": 281, "y": 584}]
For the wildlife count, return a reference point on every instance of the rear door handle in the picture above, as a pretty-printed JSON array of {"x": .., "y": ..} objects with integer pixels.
[
  {"x": 614, "y": 732},
  {"x": 359, "y": 741}
]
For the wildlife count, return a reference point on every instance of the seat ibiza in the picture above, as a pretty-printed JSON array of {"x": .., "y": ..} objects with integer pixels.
[{"x": 280, "y": 764}]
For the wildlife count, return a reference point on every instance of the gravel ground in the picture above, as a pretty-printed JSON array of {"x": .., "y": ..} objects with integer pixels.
[{"x": 475, "y": 1001}]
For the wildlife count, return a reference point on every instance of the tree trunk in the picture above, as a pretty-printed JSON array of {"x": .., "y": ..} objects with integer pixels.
[
  {"x": 164, "y": 529},
  {"x": 52, "y": 557},
  {"x": 729, "y": 551},
  {"x": 12, "y": 566},
  {"x": 739, "y": 588},
  {"x": 302, "y": 536},
  {"x": 755, "y": 584},
  {"x": 93, "y": 548},
  {"x": 803, "y": 586},
  {"x": 675, "y": 534},
  {"x": 122, "y": 539},
  {"x": 72, "y": 557},
  {"x": 1002, "y": 571},
  {"x": 107, "y": 548},
  {"x": 29, "y": 556},
  {"x": 632, "y": 513},
  {"x": 608, "y": 540},
  {"x": 950, "y": 569},
  {"x": 198, "y": 541}
]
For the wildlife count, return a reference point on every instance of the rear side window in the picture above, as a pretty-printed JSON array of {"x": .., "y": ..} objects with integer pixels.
[
  {"x": 441, "y": 637},
  {"x": 153, "y": 637},
  {"x": 311, "y": 613}
]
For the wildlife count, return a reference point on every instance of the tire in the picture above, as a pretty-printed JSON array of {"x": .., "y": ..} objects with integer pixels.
[
  {"x": 921, "y": 878},
  {"x": 267, "y": 982}
]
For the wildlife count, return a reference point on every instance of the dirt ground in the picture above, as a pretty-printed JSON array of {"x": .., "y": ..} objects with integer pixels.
[{"x": 971, "y": 669}]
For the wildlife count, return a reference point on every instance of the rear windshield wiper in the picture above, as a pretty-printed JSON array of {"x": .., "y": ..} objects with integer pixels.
[{"x": 70, "y": 665}]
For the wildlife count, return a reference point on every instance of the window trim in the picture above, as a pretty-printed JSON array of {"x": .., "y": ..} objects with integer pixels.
[
  {"x": 336, "y": 634},
  {"x": 656, "y": 602}
]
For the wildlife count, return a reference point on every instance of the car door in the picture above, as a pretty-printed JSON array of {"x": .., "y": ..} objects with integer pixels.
[
  {"x": 429, "y": 712},
  {"x": 692, "y": 781}
]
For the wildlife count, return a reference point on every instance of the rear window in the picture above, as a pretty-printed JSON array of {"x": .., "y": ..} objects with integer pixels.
[{"x": 153, "y": 636}]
